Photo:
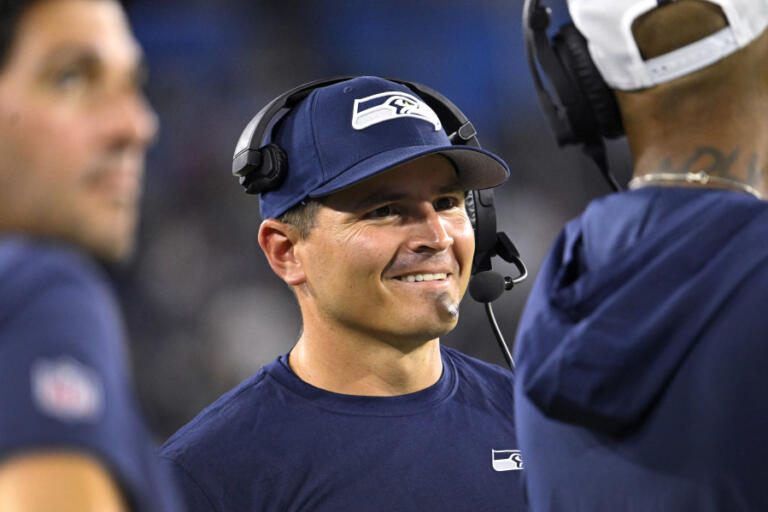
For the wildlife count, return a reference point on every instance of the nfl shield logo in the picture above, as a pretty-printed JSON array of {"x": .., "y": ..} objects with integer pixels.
[{"x": 66, "y": 389}]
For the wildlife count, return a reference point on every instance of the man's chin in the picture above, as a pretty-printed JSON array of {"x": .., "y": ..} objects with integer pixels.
[
  {"x": 110, "y": 246},
  {"x": 111, "y": 253},
  {"x": 426, "y": 332}
]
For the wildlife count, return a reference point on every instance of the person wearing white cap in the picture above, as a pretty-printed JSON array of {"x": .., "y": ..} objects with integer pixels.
[{"x": 641, "y": 353}]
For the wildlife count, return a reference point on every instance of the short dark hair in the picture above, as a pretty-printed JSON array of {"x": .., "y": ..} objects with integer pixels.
[
  {"x": 11, "y": 12},
  {"x": 302, "y": 216}
]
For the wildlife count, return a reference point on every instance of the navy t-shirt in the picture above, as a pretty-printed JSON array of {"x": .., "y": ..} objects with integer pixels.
[
  {"x": 64, "y": 384},
  {"x": 276, "y": 443}
]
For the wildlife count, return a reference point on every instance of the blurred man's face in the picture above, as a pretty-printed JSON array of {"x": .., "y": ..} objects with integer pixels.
[{"x": 74, "y": 126}]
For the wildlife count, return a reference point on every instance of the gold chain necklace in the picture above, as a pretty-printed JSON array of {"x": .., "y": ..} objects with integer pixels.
[{"x": 693, "y": 178}]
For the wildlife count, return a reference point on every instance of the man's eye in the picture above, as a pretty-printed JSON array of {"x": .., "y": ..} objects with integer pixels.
[
  {"x": 381, "y": 212},
  {"x": 445, "y": 203},
  {"x": 69, "y": 78},
  {"x": 76, "y": 74}
]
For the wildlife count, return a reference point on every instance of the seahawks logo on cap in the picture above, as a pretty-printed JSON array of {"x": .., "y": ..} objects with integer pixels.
[{"x": 386, "y": 106}]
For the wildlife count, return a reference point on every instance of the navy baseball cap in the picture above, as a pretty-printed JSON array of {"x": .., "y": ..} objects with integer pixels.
[{"x": 344, "y": 133}]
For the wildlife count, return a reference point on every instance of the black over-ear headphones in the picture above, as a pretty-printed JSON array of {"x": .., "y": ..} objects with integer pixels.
[
  {"x": 586, "y": 111},
  {"x": 261, "y": 168}
]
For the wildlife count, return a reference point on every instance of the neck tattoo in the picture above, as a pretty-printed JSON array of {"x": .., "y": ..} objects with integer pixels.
[{"x": 691, "y": 178}]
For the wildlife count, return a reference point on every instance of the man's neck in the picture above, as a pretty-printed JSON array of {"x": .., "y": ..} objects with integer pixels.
[
  {"x": 341, "y": 361},
  {"x": 726, "y": 165},
  {"x": 719, "y": 130}
]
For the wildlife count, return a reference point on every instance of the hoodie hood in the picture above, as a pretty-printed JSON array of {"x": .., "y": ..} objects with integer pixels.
[{"x": 626, "y": 293}]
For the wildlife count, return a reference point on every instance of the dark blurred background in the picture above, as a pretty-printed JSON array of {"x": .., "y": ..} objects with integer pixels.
[{"x": 203, "y": 309}]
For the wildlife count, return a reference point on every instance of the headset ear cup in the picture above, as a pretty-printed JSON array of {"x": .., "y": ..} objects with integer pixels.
[
  {"x": 572, "y": 47},
  {"x": 271, "y": 172},
  {"x": 279, "y": 162},
  {"x": 469, "y": 205},
  {"x": 482, "y": 213}
]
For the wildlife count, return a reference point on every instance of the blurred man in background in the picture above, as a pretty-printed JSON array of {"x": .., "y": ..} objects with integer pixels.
[
  {"x": 641, "y": 353},
  {"x": 74, "y": 127}
]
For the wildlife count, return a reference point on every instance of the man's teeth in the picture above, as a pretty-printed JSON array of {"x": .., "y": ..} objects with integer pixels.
[{"x": 440, "y": 276}]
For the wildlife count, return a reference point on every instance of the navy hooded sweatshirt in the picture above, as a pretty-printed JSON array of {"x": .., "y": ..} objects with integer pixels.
[{"x": 642, "y": 357}]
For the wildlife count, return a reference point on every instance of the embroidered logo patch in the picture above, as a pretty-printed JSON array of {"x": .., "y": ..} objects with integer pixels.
[
  {"x": 386, "y": 106},
  {"x": 506, "y": 460},
  {"x": 66, "y": 389}
]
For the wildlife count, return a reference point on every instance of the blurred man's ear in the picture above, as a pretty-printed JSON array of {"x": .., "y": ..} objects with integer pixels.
[{"x": 278, "y": 241}]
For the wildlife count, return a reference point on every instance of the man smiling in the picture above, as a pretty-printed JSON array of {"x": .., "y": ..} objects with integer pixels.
[{"x": 367, "y": 411}]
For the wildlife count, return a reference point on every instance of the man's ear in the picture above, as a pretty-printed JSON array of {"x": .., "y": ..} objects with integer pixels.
[{"x": 278, "y": 241}]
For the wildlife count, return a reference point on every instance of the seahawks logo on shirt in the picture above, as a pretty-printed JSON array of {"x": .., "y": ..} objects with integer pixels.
[
  {"x": 386, "y": 106},
  {"x": 506, "y": 460}
]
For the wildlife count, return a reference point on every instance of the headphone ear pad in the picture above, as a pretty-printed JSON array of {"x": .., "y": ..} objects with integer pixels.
[
  {"x": 482, "y": 215},
  {"x": 271, "y": 171},
  {"x": 279, "y": 162},
  {"x": 572, "y": 47},
  {"x": 469, "y": 205}
]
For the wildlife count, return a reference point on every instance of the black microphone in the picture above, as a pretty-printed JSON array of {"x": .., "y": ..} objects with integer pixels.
[{"x": 486, "y": 286}]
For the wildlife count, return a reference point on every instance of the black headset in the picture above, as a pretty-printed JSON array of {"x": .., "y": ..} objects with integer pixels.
[
  {"x": 261, "y": 168},
  {"x": 586, "y": 112}
]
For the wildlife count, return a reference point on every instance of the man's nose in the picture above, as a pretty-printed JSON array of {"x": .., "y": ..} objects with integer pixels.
[
  {"x": 132, "y": 121},
  {"x": 429, "y": 232}
]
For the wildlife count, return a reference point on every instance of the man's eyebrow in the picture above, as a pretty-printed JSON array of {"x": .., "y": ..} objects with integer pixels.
[
  {"x": 69, "y": 52},
  {"x": 390, "y": 196},
  {"x": 451, "y": 188},
  {"x": 376, "y": 198},
  {"x": 86, "y": 55}
]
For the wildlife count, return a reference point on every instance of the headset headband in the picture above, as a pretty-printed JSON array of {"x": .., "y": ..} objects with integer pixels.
[
  {"x": 585, "y": 111},
  {"x": 460, "y": 130}
]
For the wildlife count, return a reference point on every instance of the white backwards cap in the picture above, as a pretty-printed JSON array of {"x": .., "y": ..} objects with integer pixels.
[{"x": 607, "y": 26}]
